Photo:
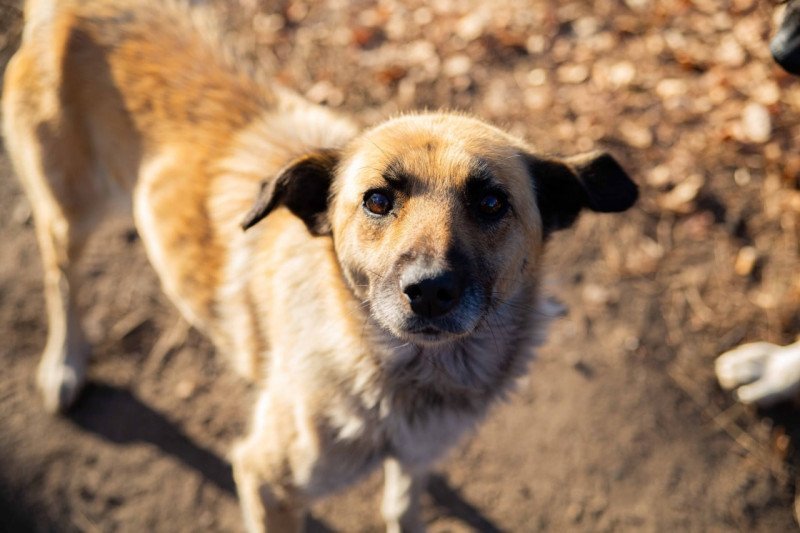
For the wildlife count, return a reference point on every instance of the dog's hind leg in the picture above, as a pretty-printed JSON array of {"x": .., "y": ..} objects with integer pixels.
[
  {"x": 51, "y": 160},
  {"x": 62, "y": 368},
  {"x": 402, "y": 490}
]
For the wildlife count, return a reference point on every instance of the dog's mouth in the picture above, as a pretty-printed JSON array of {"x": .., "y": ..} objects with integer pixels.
[
  {"x": 422, "y": 330},
  {"x": 430, "y": 332},
  {"x": 429, "y": 336}
]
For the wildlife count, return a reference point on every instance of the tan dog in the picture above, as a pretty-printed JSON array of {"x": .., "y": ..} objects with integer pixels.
[{"x": 388, "y": 297}]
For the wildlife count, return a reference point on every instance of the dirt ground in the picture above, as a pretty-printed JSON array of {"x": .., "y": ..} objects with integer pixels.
[{"x": 620, "y": 425}]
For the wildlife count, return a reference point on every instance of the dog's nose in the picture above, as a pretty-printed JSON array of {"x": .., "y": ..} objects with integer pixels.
[{"x": 434, "y": 296}]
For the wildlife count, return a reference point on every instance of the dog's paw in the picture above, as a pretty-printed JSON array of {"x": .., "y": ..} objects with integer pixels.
[
  {"x": 762, "y": 373},
  {"x": 396, "y": 527},
  {"x": 60, "y": 379},
  {"x": 744, "y": 364}
]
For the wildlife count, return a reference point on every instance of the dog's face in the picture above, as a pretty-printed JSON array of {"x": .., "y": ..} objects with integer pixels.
[
  {"x": 438, "y": 219},
  {"x": 434, "y": 221}
]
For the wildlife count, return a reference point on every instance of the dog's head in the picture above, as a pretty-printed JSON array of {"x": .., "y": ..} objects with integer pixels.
[{"x": 438, "y": 218}]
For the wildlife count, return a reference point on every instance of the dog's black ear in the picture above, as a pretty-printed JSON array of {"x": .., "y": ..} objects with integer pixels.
[
  {"x": 593, "y": 181},
  {"x": 303, "y": 187}
]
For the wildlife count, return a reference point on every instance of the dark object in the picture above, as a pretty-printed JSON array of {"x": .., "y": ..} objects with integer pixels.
[{"x": 785, "y": 46}]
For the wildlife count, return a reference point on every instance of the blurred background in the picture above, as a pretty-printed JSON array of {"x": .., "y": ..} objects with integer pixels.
[{"x": 620, "y": 425}]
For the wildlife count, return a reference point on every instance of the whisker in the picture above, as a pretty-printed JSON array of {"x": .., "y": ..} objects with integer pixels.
[{"x": 376, "y": 146}]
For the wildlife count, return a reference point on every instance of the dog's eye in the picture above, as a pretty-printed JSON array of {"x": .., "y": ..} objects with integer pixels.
[
  {"x": 377, "y": 203},
  {"x": 492, "y": 205}
]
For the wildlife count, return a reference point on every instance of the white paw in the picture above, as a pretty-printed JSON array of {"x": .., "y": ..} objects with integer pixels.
[
  {"x": 744, "y": 364},
  {"x": 60, "y": 379},
  {"x": 762, "y": 373}
]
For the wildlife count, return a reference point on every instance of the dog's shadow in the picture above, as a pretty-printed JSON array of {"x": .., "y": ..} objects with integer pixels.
[
  {"x": 449, "y": 502},
  {"x": 118, "y": 416}
]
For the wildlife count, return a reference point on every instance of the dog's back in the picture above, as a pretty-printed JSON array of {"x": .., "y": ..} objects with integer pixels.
[
  {"x": 160, "y": 96},
  {"x": 111, "y": 97}
]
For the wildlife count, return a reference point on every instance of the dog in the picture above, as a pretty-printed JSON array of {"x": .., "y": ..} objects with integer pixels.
[
  {"x": 763, "y": 373},
  {"x": 385, "y": 289}
]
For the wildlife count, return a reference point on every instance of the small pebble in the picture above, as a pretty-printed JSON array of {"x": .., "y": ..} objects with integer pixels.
[
  {"x": 745, "y": 261},
  {"x": 756, "y": 123},
  {"x": 185, "y": 388}
]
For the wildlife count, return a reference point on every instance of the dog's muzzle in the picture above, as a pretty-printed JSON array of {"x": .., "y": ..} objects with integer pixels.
[{"x": 432, "y": 303}]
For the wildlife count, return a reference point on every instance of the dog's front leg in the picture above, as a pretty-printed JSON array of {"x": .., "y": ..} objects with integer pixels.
[
  {"x": 762, "y": 373},
  {"x": 402, "y": 490},
  {"x": 270, "y": 497},
  {"x": 267, "y": 507}
]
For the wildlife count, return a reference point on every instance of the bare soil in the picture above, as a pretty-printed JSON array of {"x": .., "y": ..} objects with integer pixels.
[{"x": 620, "y": 424}]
